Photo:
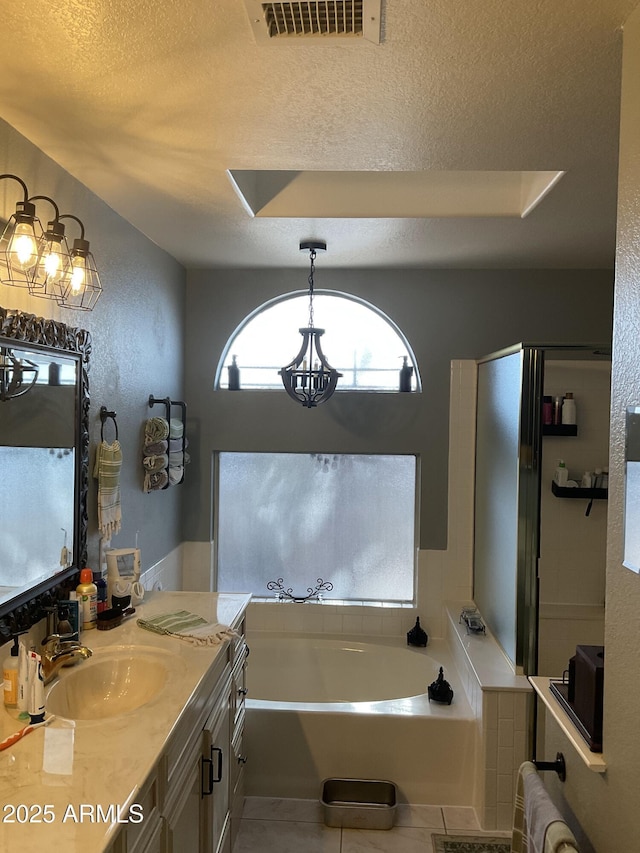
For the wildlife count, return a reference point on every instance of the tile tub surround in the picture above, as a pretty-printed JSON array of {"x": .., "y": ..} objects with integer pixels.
[
  {"x": 502, "y": 703},
  {"x": 105, "y": 762}
]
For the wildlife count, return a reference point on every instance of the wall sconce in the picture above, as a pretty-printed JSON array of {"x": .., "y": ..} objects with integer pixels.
[
  {"x": 20, "y": 241},
  {"x": 17, "y": 375},
  {"x": 83, "y": 287},
  {"x": 309, "y": 378},
  {"x": 42, "y": 261},
  {"x": 52, "y": 268}
]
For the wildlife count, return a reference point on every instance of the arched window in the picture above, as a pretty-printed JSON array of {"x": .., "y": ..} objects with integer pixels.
[{"x": 360, "y": 341}]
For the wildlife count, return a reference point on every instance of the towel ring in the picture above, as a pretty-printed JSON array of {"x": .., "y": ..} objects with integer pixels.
[{"x": 106, "y": 415}]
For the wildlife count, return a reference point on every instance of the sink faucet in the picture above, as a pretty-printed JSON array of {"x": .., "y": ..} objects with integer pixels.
[{"x": 59, "y": 650}]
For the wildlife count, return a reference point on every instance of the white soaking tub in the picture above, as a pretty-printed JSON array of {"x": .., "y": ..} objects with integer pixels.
[{"x": 326, "y": 706}]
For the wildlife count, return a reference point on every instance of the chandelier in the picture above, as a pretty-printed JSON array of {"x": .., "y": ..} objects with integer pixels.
[
  {"x": 17, "y": 375},
  {"x": 309, "y": 378}
]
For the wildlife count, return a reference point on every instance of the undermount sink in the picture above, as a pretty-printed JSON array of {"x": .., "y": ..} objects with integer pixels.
[{"x": 109, "y": 684}]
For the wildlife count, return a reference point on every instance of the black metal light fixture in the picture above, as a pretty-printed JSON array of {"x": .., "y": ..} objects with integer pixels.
[
  {"x": 309, "y": 378},
  {"x": 21, "y": 241},
  {"x": 51, "y": 272},
  {"x": 83, "y": 288},
  {"x": 42, "y": 261}
]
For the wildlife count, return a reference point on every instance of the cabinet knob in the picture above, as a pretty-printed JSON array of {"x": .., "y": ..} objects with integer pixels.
[
  {"x": 242, "y": 759},
  {"x": 242, "y": 691}
]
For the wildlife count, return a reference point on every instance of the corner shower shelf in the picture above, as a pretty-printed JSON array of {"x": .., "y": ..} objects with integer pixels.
[
  {"x": 578, "y": 492},
  {"x": 560, "y": 429},
  {"x": 594, "y": 760}
]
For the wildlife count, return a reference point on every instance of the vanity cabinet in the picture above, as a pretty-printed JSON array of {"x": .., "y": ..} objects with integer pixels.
[{"x": 194, "y": 798}]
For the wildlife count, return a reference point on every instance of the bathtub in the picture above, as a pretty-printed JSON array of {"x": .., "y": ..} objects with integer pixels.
[{"x": 326, "y": 706}]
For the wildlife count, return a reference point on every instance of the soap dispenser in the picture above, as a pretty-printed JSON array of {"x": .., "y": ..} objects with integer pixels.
[
  {"x": 417, "y": 636},
  {"x": 406, "y": 372},
  {"x": 234, "y": 375},
  {"x": 440, "y": 690}
]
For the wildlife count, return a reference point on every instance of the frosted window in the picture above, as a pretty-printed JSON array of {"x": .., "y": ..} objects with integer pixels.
[
  {"x": 359, "y": 341},
  {"x": 348, "y": 519}
]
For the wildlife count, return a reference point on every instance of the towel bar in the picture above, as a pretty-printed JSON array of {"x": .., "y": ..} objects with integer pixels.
[{"x": 558, "y": 766}]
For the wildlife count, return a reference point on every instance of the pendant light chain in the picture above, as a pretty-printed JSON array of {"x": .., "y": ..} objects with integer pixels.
[{"x": 312, "y": 256}]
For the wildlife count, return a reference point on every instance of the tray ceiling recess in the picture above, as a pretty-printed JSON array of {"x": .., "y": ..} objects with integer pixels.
[
  {"x": 333, "y": 19},
  {"x": 391, "y": 195}
]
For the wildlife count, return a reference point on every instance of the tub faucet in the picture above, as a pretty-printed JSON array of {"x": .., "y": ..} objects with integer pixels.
[{"x": 60, "y": 650}]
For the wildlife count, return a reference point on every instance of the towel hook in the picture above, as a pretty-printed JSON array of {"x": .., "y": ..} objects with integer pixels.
[
  {"x": 105, "y": 415},
  {"x": 558, "y": 765}
]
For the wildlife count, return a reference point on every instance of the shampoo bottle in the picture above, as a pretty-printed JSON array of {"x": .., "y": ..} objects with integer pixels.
[
  {"x": 10, "y": 676},
  {"x": 569, "y": 409},
  {"x": 562, "y": 474},
  {"x": 88, "y": 599}
]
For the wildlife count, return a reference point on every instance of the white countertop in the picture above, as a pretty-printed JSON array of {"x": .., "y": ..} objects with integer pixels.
[{"x": 68, "y": 765}]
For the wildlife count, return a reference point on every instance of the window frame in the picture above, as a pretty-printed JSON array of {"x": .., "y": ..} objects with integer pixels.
[
  {"x": 412, "y": 602},
  {"x": 265, "y": 306}
]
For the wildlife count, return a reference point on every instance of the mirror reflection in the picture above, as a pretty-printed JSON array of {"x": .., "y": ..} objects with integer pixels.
[{"x": 38, "y": 458}]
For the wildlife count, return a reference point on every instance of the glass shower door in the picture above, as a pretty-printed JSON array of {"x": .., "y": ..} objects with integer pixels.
[{"x": 507, "y": 499}]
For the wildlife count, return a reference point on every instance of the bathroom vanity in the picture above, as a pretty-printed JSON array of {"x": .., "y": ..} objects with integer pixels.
[{"x": 165, "y": 776}]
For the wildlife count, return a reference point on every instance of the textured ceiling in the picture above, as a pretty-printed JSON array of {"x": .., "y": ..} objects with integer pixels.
[{"x": 149, "y": 104}]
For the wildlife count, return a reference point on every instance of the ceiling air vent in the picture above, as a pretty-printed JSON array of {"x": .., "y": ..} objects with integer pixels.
[{"x": 324, "y": 19}]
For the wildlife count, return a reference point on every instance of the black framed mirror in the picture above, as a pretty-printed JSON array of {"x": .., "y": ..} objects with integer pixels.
[{"x": 44, "y": 463}]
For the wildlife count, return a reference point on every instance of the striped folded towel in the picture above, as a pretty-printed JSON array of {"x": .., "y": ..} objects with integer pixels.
[{"x": 189, "y": 627}]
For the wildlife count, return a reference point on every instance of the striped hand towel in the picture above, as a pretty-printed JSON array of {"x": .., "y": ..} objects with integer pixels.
[
  {"x": 189, "y": 627},
  {"x": 107, "y": 472}
]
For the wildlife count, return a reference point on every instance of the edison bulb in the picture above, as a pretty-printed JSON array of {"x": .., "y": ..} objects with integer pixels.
[
  {"x": 77, "y": 274},
  {"x": 22, "y": 250},
  {"x": 51, "y": 264}
]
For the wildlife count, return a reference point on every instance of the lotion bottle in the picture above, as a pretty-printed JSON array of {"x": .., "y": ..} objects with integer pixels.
[
  {"x": 87, "y": 593},
  {"x": 10, "y": 676}
]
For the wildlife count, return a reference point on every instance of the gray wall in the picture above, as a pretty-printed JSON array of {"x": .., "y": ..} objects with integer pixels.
[
  {"x": 137, "y": 329},
  {"x": 606, "y": 805},
  {"x": 445, "y": 314}
]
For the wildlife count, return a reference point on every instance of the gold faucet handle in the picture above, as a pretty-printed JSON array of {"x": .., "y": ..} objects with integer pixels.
[{"x": 52, "y": 641}]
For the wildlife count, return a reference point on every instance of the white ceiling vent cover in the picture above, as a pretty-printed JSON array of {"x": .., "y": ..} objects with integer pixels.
[{"x": 322, "y": 19}]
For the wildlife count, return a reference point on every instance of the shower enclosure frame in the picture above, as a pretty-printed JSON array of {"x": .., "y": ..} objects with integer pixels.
[{"x": 517, "y": 629}]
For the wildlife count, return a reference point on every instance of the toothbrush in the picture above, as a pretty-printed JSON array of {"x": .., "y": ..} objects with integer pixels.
[{"x": 16, "y": 736}]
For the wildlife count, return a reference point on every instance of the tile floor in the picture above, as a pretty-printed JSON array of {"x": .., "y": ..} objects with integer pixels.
[{"x": 297, "y": 826}]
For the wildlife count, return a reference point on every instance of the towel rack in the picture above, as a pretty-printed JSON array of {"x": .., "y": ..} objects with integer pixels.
[
  {"x": 106, "y": 415},
  {"x": 558, "y": 766},
  {"x": 167, "y": 402}
]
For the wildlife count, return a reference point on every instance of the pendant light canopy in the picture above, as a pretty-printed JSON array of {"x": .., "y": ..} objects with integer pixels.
[{"x": 309, "y": 378}]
